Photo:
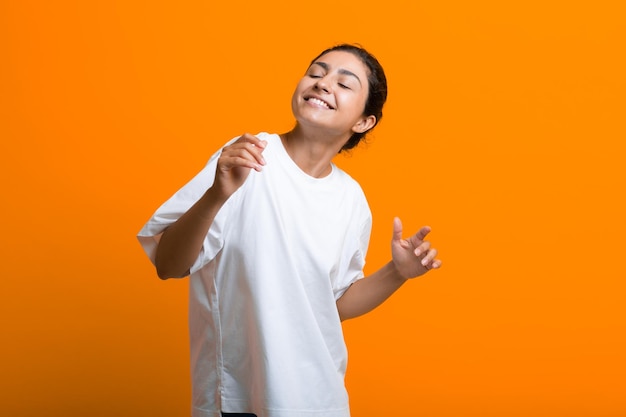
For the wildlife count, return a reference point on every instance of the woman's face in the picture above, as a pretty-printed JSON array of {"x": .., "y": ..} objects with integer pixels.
[{"x": 332, "y": 94}]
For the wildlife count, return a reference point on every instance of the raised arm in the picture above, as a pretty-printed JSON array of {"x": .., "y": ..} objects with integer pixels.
[
  {"x": 181, "y": 242},
  {"x": 411, "y": 258}
]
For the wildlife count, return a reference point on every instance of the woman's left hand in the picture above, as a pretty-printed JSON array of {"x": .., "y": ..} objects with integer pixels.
[{"x": 413, "y": 256}]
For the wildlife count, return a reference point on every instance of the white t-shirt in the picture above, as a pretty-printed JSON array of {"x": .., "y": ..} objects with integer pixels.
[{"x": 266, "y": 337}]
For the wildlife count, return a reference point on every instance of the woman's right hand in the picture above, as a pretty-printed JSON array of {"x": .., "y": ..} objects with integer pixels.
[
  {"x": 235, "y": 163},
  {"x": 182, "y": 241}
]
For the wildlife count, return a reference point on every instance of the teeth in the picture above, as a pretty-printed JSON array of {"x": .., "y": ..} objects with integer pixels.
[{"x": 320, "y": 102}]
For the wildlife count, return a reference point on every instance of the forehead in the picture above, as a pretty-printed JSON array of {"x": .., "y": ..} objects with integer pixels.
[{"x": 343, "y": 60}]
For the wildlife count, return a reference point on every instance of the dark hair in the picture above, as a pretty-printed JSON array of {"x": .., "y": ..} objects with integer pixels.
[{"x": 377, "y": 91}]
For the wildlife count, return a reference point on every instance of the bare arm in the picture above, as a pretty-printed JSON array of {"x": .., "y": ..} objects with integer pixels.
[
  {"x": 181, "y": 242},
  {"x": 411, "y": 258}
]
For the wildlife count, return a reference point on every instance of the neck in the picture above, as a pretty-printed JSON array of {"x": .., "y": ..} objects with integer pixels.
[{"x": 313, "y": 153}]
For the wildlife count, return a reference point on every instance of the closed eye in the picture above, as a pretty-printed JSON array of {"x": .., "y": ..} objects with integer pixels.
[{"x": 343, "y": 86}]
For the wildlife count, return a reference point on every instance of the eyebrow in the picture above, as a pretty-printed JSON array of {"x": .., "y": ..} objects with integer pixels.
[{"x": 340, "y": 70}]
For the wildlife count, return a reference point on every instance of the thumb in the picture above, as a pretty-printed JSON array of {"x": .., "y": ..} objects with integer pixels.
[{"x": 397, "y": 228}]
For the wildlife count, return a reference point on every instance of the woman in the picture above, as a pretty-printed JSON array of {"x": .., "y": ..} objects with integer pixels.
[{"x": 274, "y": 236}]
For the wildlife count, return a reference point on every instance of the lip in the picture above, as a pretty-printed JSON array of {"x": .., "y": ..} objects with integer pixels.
[{"x": 313, "y": 96}]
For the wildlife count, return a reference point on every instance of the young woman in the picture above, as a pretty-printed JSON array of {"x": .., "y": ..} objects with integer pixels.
[{"x": 274, "y": 236}]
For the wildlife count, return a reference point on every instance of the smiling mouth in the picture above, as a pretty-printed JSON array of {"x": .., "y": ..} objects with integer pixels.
[{"x": 319, "y": 102}]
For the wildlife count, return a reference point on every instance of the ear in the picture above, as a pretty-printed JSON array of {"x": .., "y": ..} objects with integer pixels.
[{"x": 364, "y": 124}]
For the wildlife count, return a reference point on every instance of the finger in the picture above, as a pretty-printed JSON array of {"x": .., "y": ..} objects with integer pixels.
[
  {"x": 244, "y": 150},
  {"x": 250, "y": 142},
  {"x": 397, "y": 228},
  {"x": 422, "y": 233},
  {"x": 254, "y": 140},
  {"x": 250, "y": 146},
  {"x": 422, "y": 248},
  {"x": 436, "y": 264},
  {"x": 430, "y": 256},
  {"x": 236, "y": 161}
]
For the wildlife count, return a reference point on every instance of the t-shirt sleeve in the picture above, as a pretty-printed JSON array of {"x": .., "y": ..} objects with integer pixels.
[
  {"x": 355, "y": 257},
  {"x": 176, "y": 206}
]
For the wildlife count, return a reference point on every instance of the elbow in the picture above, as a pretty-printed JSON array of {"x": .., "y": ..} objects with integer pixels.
[
  {"x": 163, "y": 274},
  {"x": 165, "y": 271},
  {"x": 166, "y": 268},
  {"x": 161, "y": 269}
]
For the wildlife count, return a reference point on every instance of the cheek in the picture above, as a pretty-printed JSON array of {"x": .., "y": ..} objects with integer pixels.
[
  {"x": 300, "y": 88},
  {"x": 363, "y": 104},
  {"x": 296, "y": 97},
  {"x": 302, "y": 85},
  {"x": 356, "y": 104},
  {"x": 293, "y": 104}
]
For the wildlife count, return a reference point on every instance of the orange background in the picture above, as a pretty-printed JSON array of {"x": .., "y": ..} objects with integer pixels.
[{"x": 504, "y": 131}]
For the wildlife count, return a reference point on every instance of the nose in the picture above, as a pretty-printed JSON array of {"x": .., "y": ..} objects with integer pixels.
[{"x": 322, "y": 84}]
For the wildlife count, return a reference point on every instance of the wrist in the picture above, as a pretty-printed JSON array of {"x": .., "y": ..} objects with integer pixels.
[
  {"x": 208, "y": 205},
  {"x": 214, "y": 196},
  {"x": 396, "y": 274}
]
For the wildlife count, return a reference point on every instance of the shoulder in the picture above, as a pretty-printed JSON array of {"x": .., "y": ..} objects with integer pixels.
[
  {"x": 347, "y": 180},
  {"x": 352, "y": 188},
  {"x": 270, "y": 137},
  {"x": 273, "y": 141}
]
